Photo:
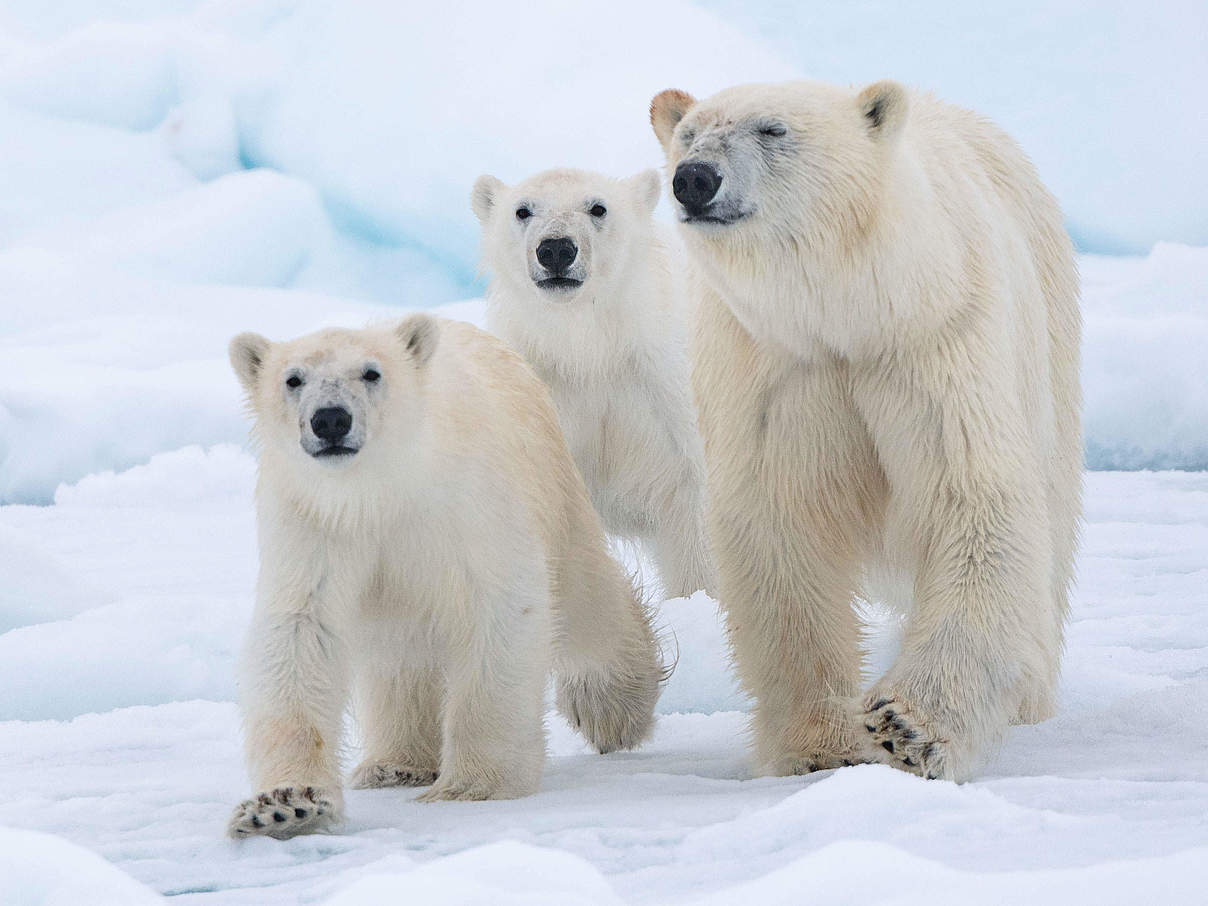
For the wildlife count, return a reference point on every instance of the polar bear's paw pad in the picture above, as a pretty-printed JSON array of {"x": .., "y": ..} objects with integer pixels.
[
  {"x": 283, "y": 813},
  {"x": 905, "y": 740},
  {"x": 370, "y": 775}
]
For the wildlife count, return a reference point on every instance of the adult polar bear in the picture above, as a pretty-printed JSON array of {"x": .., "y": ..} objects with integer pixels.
[
  {"x": 425, "y": 538},
  {"x": 886, "y": 368}
]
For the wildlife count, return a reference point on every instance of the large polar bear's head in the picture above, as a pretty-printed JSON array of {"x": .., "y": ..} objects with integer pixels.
[
  {"x": 336, "y": 398},
  {"x": 778, "y": 166},
  {"x": 563, "y": 235}
]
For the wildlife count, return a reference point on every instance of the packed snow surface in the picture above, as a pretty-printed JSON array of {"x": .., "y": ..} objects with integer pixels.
[{"x": 120, "y": 739}]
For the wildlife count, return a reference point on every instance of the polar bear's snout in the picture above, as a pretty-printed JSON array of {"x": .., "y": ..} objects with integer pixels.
[
  {"x": 695, "y": 186},
  {"x": 333, "y": 415},
  {"x": 556, "y": 255},
  {"x": 558, "y": 263},
  {"x": 331, "y": 424},
  {"x": 332, "y": 430}
]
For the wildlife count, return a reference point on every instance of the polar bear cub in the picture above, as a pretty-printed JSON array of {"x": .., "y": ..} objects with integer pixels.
[
  {"x": 886, "y": 365},
  {"x": 580, "y": 286},
  {"x": 427, "y": 544}
]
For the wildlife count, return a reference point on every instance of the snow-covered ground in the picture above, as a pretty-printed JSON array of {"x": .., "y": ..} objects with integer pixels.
[
  {"x": 122, "y": 738},
  {"x": 175, "y": 171}
]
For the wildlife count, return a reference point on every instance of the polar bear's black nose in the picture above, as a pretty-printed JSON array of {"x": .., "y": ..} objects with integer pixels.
[
  {"x": 695, "y": 185},
  {"x": 556, "y": 255},
  {"x": 331, "y": 423}
]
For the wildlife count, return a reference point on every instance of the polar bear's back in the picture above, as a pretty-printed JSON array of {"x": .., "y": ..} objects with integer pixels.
[
  {"x": 485, "y": 401},
  {"x": 970, "y": 163}
]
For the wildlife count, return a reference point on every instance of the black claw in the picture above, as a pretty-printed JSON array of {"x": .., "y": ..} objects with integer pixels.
[
  {"x": 879, "y": 703},
  {"x": 888, "y": 745},
  {"x": 909, "y": 762},
  {"x": 890, "y": 714},
  {"x": 870, "y": 728},
  {"x": 299, "y": 813},
  {"x": 898, "y": 725},
  {"x": 931, "y": 776},
  {"x": 278, "y": 817},
  {"x": 256, "y": 822}
]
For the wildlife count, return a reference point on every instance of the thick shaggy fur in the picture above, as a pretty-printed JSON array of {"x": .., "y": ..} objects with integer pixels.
[
  {"x": 886, "y": 365},
  {"x": 435, "y": 576},
  {"x": 612, "y": 351}
]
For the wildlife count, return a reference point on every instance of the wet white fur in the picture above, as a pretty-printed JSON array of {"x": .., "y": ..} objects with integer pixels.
[
  {"x": 886, "y": 365},
  {"x": 613, "y": 353},
  {"x": 437, "y": 576}
]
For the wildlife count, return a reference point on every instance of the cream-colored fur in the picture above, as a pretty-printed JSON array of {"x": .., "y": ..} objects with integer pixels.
[
  {"x": 613, "y": 351},
  {"x": 886, "y": 366},
  {"x": 436, "y": 575}
]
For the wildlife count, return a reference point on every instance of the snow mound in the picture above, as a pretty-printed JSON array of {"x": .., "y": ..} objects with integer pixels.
[
  {"x": 116, "y": 75},
  {"x": 37, "y": 587},
  {"x": 858, "y": 873},
  {"x": 134, "y": 652},
  {"x": 1144, "y": 372},
  {"x": 72, "y": 650},
  {"x": 44, "y": 870},
  {"x": 191, "y": 477},
  {"x": 501, "y": 874}
]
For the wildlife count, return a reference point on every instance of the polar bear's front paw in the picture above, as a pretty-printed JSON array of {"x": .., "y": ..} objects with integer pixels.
[
  {"x": 376, "y": 774},
  {"x": 905, "y": 739},
  {"x": 283, "y": 813}
]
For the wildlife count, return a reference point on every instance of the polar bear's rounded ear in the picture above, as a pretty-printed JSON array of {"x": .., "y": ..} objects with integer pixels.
[
  {"x": 248, "y": 352},
  {"x": 420, "y": 333},
  {"x": 666, "y": 110},
  {"x": 646, "y": 188},
  {"x": 884, "y": 106},
  {"x": 484, "y": 195}
]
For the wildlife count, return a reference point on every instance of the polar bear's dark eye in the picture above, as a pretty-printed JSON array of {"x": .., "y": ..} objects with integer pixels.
[
  {"x": 775, "y": 130},
  {"x": 370, "y": 375},
  {"x": 598, "y": 210},
  {"x": 293, "y": 382},
  {"x": 523, "y": 213}
]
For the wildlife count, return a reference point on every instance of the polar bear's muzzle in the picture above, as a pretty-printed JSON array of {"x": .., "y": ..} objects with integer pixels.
[
  {"x": 330, "y": 428},
  {"x": 697, "y": 186},
  {"x": 558, "y": 267}
]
